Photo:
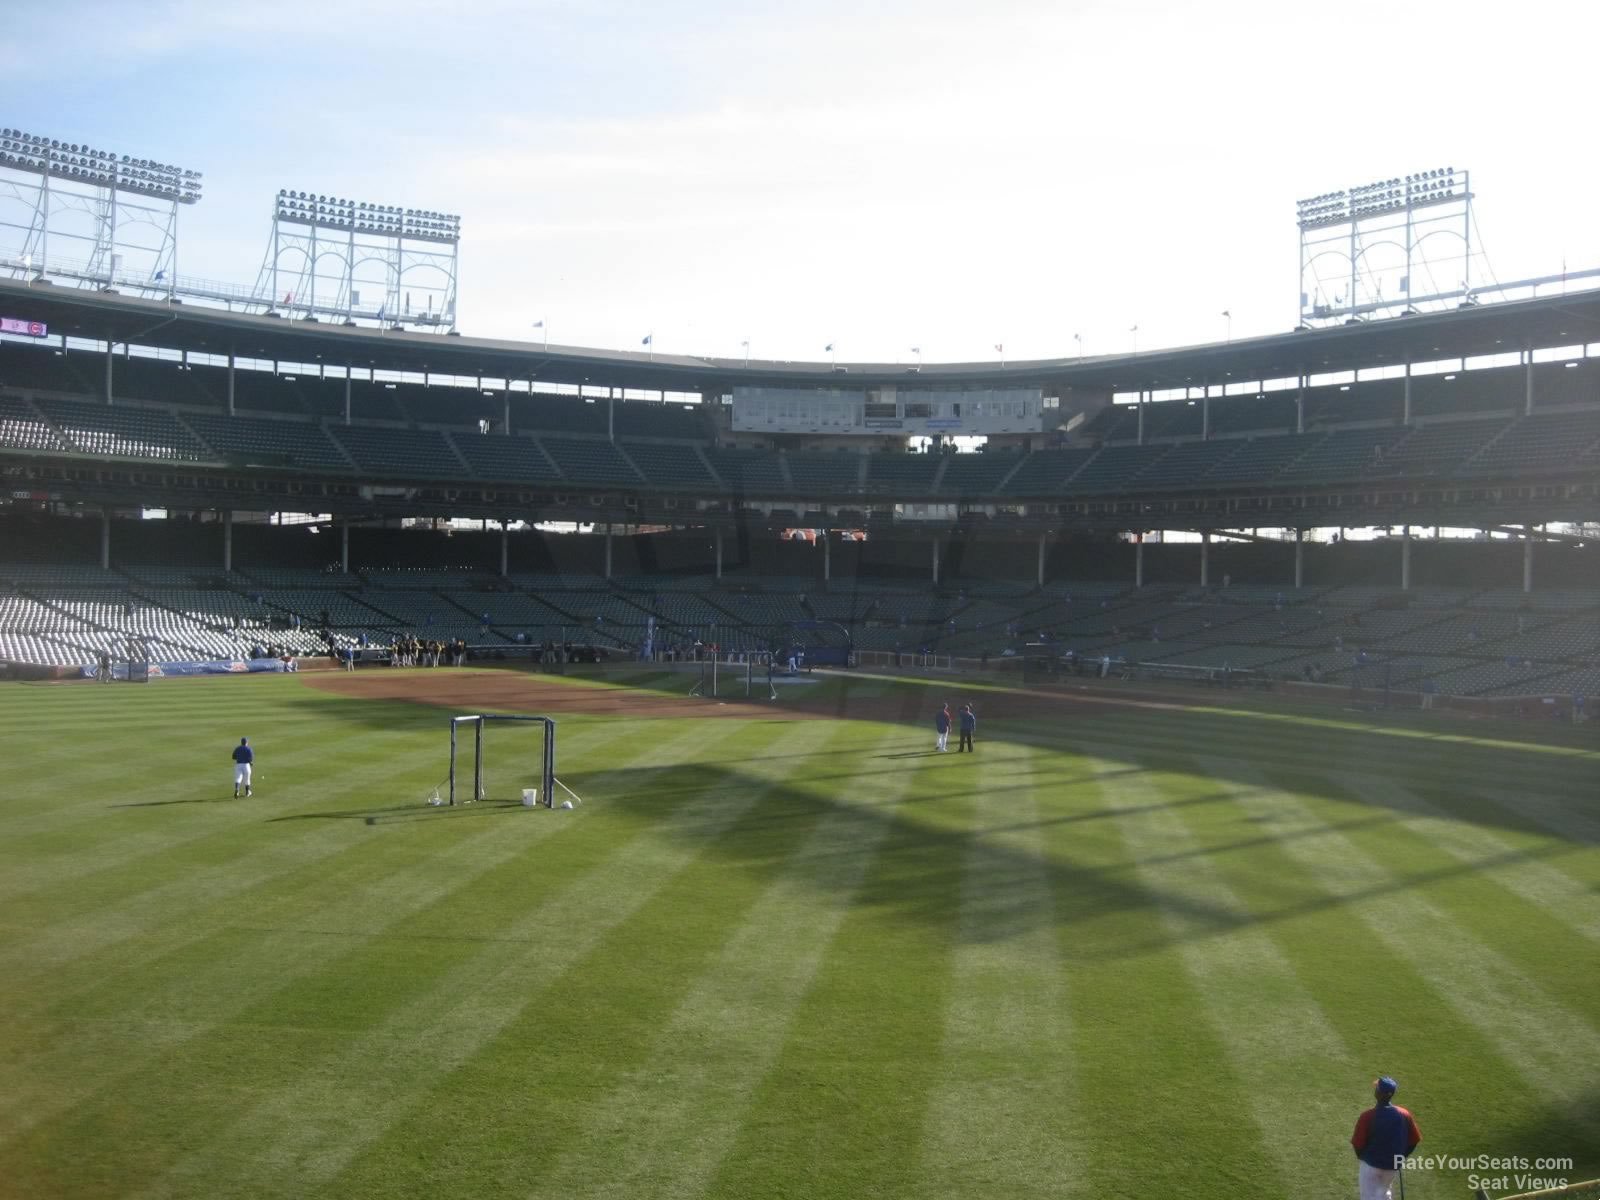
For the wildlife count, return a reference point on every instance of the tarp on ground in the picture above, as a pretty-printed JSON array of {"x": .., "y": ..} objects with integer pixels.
[{"x": 237, "y": 666}]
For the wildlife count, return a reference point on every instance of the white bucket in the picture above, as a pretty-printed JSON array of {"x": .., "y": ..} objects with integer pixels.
[{"x": 530, "y": 797}]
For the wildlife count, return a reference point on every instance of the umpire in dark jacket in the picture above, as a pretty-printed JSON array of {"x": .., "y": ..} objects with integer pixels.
[{"x": 969, "y": 726}]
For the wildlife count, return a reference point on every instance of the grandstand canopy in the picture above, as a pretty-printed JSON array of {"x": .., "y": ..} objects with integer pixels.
[{"x": 1477, "y": 330}]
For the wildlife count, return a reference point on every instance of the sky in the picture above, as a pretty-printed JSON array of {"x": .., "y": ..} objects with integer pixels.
[{"x": 876, "y": 175}]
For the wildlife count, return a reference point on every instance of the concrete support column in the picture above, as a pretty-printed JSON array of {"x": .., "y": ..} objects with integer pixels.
[
  {"x": 110, "y": 357},
  {"x": 505, "y": 549},
  {"x": 1527, "y": 558},
  {"x": 227, "y": 540},
  {"x": 1138, "y": 562},
  {"x": 608, "y": 551},
  {"x": 105, "y": 539},
  {"x": 718, "y": 544},
  {"x": 611, "y": 414},
  {"x": 827, "y": 557},
  {"x": 347, "y": 395},
  {"x": 344, "y": 546},
  {"x": 1205, "y": 413},
  {"x": 1405, "y": 559},
  {"x": 505, "y": 410},
  {"x": 1141, "y": 418},
  {"x": 1405, "y": 409},
  {"x": 1040, "y": 574},
  {"x": 230, "y": 384},
  {"x": 1205, "y": 558},
  {"x": 1527, "y": 383},
  {"x": 936, "y": 560},
  {"x": 1299, "y": 559},
  {"x": 1300, "y": 406}
]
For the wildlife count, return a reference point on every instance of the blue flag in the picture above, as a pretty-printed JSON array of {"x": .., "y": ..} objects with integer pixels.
[{"x": 648, "y": 338}]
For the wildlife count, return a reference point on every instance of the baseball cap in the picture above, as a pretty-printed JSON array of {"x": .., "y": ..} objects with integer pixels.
[{"x": 1384, "y": 1086}]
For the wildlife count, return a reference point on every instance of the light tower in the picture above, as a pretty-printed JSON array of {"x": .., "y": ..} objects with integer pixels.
[
  {"x": 351, "y": 260},
  {"x": 1374, "y": 248},
  {"x": 88, "y": 216}
]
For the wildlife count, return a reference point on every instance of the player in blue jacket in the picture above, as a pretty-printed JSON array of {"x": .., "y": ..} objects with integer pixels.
[
  {"x": 243, "y": 757},
  {"x": 941, "y": 725},
  {"x": 969, "y": 726},
  {"x": 1385, "y": 1135}
]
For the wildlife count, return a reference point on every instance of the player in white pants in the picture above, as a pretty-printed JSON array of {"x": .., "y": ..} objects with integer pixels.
[{"x": 243, "y": 758}]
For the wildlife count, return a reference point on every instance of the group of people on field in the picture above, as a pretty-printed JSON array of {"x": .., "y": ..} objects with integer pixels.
[
  {"x": 413, "y": 651},
  {"x": 966, "y": 721}
]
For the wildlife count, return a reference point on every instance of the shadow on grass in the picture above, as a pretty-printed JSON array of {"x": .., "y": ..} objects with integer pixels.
[
  {"x": 408, "y": 812},
  {"x": 1555, "y": 1130},
  {"x": 189, "y": 800},
  {"x": 1460, "y": 764},
  {"x": 922, "y": 864}
]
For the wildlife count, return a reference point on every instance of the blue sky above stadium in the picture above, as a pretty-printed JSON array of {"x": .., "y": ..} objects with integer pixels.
[{"x": 875, "y": 175}]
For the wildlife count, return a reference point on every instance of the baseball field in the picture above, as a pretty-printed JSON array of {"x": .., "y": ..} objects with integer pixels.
[{"x": 1128, "y": 948}]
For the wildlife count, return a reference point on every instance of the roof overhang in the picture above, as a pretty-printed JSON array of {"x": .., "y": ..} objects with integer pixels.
[{"x": 1467, "y": 332}]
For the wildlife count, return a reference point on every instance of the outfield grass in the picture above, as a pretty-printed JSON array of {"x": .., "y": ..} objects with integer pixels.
[{"x": 1135, "y": 953}]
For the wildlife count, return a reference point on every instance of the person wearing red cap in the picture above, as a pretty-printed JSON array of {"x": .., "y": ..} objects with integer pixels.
[{"x": 1385, "y": 1134}]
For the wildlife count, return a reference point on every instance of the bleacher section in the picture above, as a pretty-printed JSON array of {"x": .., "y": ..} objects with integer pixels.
[
  {"x": 825, "y": 473},
  {"x": 674, "y": 466},
  {"x": 257, "y": 440},
  {"x": 121, "y": 432},
  {"x": 564, "y": 439},
  {"x": 902, "y": 474},
  {"x": 397, "y": 452},
  {"x": 504, "y": 459},
  {"x": 1468, "y": 642},
  {"x": 23, "y": 428},
  {"x": 976, "y": 474},
  {"x": 590, "y": 461},
  {"x": 749, "y": 472}
]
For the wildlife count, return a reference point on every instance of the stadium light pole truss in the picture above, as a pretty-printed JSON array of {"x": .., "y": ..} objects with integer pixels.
[
  {"x": 1378, "y": 233},
  {"x": 116, "y": 215},
  {"x": 325, "y": 248}
]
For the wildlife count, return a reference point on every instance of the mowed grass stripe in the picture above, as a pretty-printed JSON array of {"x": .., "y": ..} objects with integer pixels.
[
  {"x": 140, "y": 1016},
  {"x": 1471, "y": 892},
  {"x": 841, "y": 1110},
  {"x": 1000, "y": 1116},
  {"x": 300, "y": 1135},
  {"x": 165, "y": 992},
  {"x": 666, "y": 1128},
  {"x": 1139, "y": 1061},
  {"x": 1505, "y": 859},
  {"x": 137, "y": 821},
  {"x": 1573, "y": 815},
  {"x": 1161, "y": 738},
  {"x": 217, "y": 995},
  {"x": 1180, "y": 856},
  {"x": 87, "y": 914},
  {"x": 1549, "y": 1046},
  {"x": 1392, "y": 1017},
  {"x": 592, "y": 1025}
]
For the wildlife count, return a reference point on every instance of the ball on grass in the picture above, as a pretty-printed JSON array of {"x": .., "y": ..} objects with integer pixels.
[{"x": 566, "y": 804}]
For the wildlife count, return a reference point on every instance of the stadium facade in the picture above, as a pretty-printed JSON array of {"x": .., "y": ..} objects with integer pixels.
[{"x": 1484, "y": 418}]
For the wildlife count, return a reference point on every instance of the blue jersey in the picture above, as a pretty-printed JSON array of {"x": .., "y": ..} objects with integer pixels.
[
  {"x": 969, "y": 722},
  {"x": 942, "y": 721},
  {"x": 243, "y": 754}
]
